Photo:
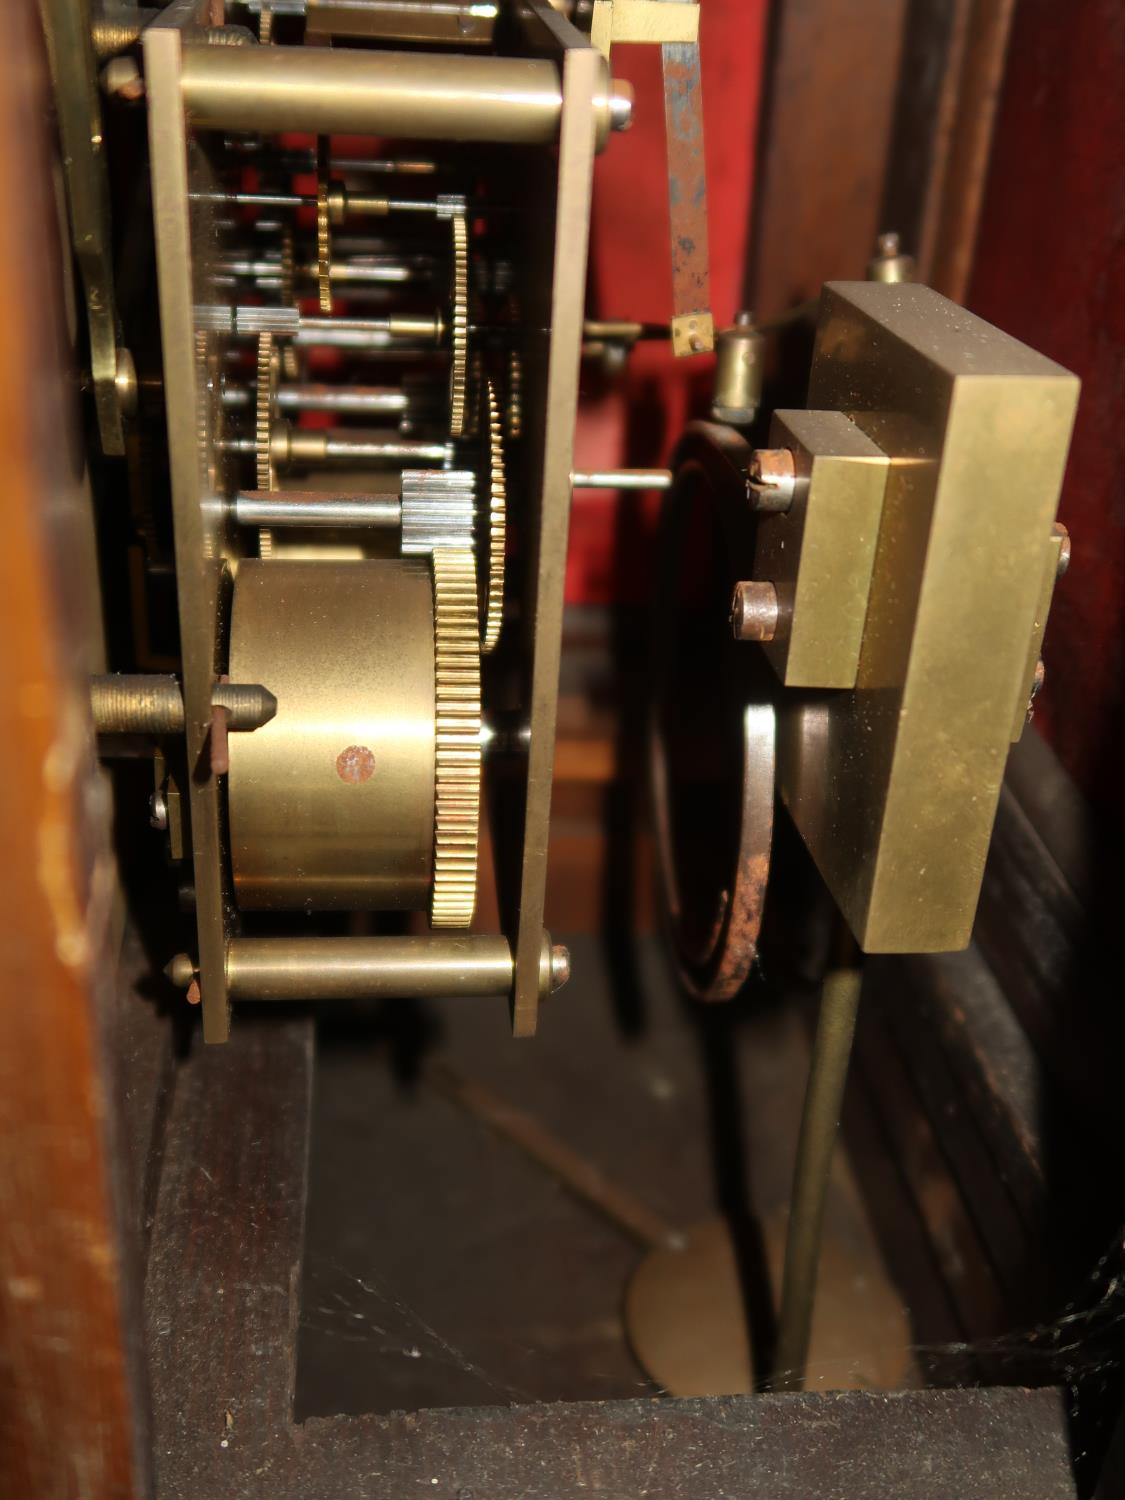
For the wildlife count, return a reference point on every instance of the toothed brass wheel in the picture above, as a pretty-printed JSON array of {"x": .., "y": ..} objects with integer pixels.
[
  {"x": 495, "y": 540},
  {"x": 457, "y": 774},
  {"x": 265, "y": 473},
  {"x": 459, "y": 329}
]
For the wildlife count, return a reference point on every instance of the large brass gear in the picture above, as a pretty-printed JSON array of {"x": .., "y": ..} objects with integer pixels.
[
  {"x": 458, "y": 715},
  {"x": 495, "y": 542},
  {"x": 459, "y": 329}
]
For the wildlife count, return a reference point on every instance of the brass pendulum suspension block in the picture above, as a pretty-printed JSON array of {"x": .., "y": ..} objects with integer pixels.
[{"x": 332, "y": 802}]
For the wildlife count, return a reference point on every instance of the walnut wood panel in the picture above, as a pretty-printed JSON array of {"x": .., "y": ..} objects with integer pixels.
[{"x": 68, "y": 1373}]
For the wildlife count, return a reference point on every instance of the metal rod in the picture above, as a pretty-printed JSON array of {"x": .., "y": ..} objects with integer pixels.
[
  {"x": 371, "y": 399},
  {"x": 623, "y": 479},
  {"x": 362, "y": 205},
  {"x": 301, "y": 508},
  {"x": 404, "y": 95},
  {"x": 365, "y": 400},
  {"x": 296, "y": 160},
  {"x": 404, "y": 968},
  {"x": 824, "y": 1093},
  {"x": 289, "y": 322},
  {"x": 310, "y": 446},
  {"x": 148, "y": 704}
]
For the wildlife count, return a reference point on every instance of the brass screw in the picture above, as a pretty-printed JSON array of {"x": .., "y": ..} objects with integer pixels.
[{"x": 754, "y": 611}]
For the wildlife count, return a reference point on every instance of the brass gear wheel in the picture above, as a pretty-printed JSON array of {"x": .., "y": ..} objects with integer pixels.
[
  {"x": 289, "y": 363},
  {"x": 459, "y": 328},
  {"x": 492, "y": 610},
  {"x": 457, "y": 777},
  {"x": 288, "y": 269},
  {"x": 323, "y": 230},
  {"x": 263, "y": 412},
  {"x": 265, "y": 474}
]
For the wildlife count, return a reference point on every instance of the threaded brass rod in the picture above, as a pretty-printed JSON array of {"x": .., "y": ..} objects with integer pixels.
[
  {"x": 136, "y": 705},
  {"x": 146, "y": 704}
]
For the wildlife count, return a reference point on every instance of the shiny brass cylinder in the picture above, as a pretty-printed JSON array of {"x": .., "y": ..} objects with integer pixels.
[
  {"x": 399, "y": 968},
  {"x": 332, "y": 802},
  {"x": 349, "y": 968},
  {"x": 739, "y": 353},
  {"x": 423, "y": 96}
]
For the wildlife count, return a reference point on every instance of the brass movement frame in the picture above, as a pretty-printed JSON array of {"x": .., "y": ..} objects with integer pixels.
[
  {"x": 203, "y": 554},
  {"x": 207, "y": 547}
]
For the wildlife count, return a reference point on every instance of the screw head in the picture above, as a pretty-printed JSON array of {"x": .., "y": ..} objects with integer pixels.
[
  {"x": 560, "y": 966},
  {"x": 158, "y": 811},
  {"x": 771, "y": 480},
  {"x": 754, "y": 611}
]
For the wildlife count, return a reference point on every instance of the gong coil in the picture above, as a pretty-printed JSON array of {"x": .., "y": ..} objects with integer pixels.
[{"x": 332, "y": 802}]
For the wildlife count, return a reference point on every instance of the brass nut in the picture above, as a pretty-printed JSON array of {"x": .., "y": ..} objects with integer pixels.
[
  {"x": 771, "y": 480},
  {"x": 754, "y": 611}
]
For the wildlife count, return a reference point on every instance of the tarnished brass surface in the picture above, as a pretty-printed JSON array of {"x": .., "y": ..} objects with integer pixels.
[
  {"x": 414, "y": 95},
  {"x": 202, "y": 548},
  {"x": 554, "y": 297},
  {"x": 332, "y": 802},
  {"x": 142, "y": 703},
  {"x": 402, "y": 968},
  {"x": 819, "y": 553},
  {"x": 894, "y": 785},
  {"x": 67, "y": 27}
]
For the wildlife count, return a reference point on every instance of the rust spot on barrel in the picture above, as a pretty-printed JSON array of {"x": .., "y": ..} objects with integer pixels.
[{"x": 355, "y": 765}]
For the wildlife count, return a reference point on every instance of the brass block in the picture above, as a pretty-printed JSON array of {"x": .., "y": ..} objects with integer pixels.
[
  {"x": 894, "y": 785},
  {"x": 642, "y": 21},
  {"x": 820, "y": 552},
  {"x": 693, "y": 333}
]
